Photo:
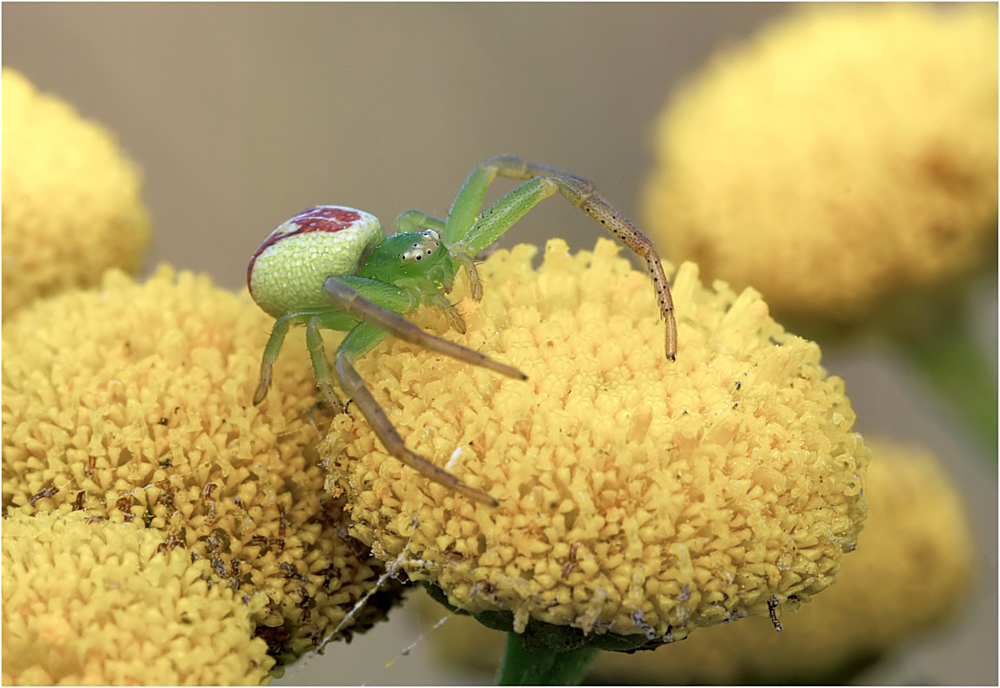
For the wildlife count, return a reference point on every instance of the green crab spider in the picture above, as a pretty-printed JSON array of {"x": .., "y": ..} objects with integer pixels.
[{"x": 333, "y": 267}]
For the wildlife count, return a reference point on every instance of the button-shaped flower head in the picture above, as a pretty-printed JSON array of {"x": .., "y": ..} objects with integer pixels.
[
  {"x": 86, "y": 602},
  {"x": 71, "y": 204},
  {"x": 846, "y": 155},
  {"x": 638, "y": 497},
  {"x": 136, "y": 399},
  {"x": 911, "y": 570}
]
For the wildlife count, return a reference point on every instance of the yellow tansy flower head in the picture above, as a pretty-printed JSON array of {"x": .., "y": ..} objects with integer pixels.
[
  {"x": 912, "y": 568},
  {"x": 137, "y": 399},
  {"x": 71, "y": 205},
  {"x": 639, "y": 497},
  {"x": 847, "y": 154},
  {"x": 111, "y": 603}
]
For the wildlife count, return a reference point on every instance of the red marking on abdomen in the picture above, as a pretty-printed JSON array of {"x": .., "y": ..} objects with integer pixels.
[
  {"x": 325, "y": 218},
  {"x": 322, "y": 218}
]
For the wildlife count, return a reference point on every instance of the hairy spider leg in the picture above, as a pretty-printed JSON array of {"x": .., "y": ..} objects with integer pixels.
[
  {"x": 365, "y": 336},
  {"x": 357, "y": 299},
  {"x": 471, "y": 232},
  {"x": 271, "y": 350},
  {"x": 352, "y": 295},
  {"x": 317, "y": 353},
  {"x": 377, "y": 323},
  {"x": 502, "y": 215},
  {"x": 277, "y": 338}
]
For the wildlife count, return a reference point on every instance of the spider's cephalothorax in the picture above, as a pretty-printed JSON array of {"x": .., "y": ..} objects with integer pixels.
[{"x": 331, "y": 267}]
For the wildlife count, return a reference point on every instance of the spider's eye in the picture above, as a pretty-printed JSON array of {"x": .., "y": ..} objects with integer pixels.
[{"x": 426, "y": 246}]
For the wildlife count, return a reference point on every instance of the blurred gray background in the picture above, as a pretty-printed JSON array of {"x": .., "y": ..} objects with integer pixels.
[{"x": 241, "y": 115}]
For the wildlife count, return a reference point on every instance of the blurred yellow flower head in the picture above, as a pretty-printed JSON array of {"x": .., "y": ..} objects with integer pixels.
[
  {"x": 136, "y": 399},
  {"x": 638, "y": 496},
  {"x": 71, "y": 205},
  {"x": 846, "y": 154},
  {"x": 112, "y": 604}
]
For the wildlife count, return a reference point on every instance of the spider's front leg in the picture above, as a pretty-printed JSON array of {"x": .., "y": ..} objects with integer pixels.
[
  {"x": 349, "y": 294},
  {"x": 379, "y": 422},
  {"x": 470, "y": 233},
  {"x": 377, "y": 323}
]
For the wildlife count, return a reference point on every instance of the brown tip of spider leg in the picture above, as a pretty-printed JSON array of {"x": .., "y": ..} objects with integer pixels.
[
  {"x": 263, "y": 385},
  {"x": 472, "y": 493},
  {"x": 671, "y": 347},
  {"x": 772, "y": 604},
  {"x": 504, "y": 369},
  {"x": 451, "y": 481},
  {"x": 483, "y": 498}
]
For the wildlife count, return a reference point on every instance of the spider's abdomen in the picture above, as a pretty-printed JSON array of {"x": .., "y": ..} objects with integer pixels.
[{"x": 288, "y": 270}]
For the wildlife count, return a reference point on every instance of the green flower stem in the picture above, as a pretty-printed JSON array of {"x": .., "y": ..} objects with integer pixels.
[
  {"x": 953, "y": 363},
  {"x": 543, "y": 666},
  {"x": 934, "y": 329}
]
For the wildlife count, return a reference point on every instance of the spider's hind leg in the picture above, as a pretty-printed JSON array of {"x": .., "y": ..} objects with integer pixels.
[
  {"x": 314, "y": 340},
  {"x": 273, "y": 347},
  {"x": 271, "y": 350}
]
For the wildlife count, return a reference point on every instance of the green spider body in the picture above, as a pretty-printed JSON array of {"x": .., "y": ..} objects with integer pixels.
[{"x": 332, "y": 267}]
